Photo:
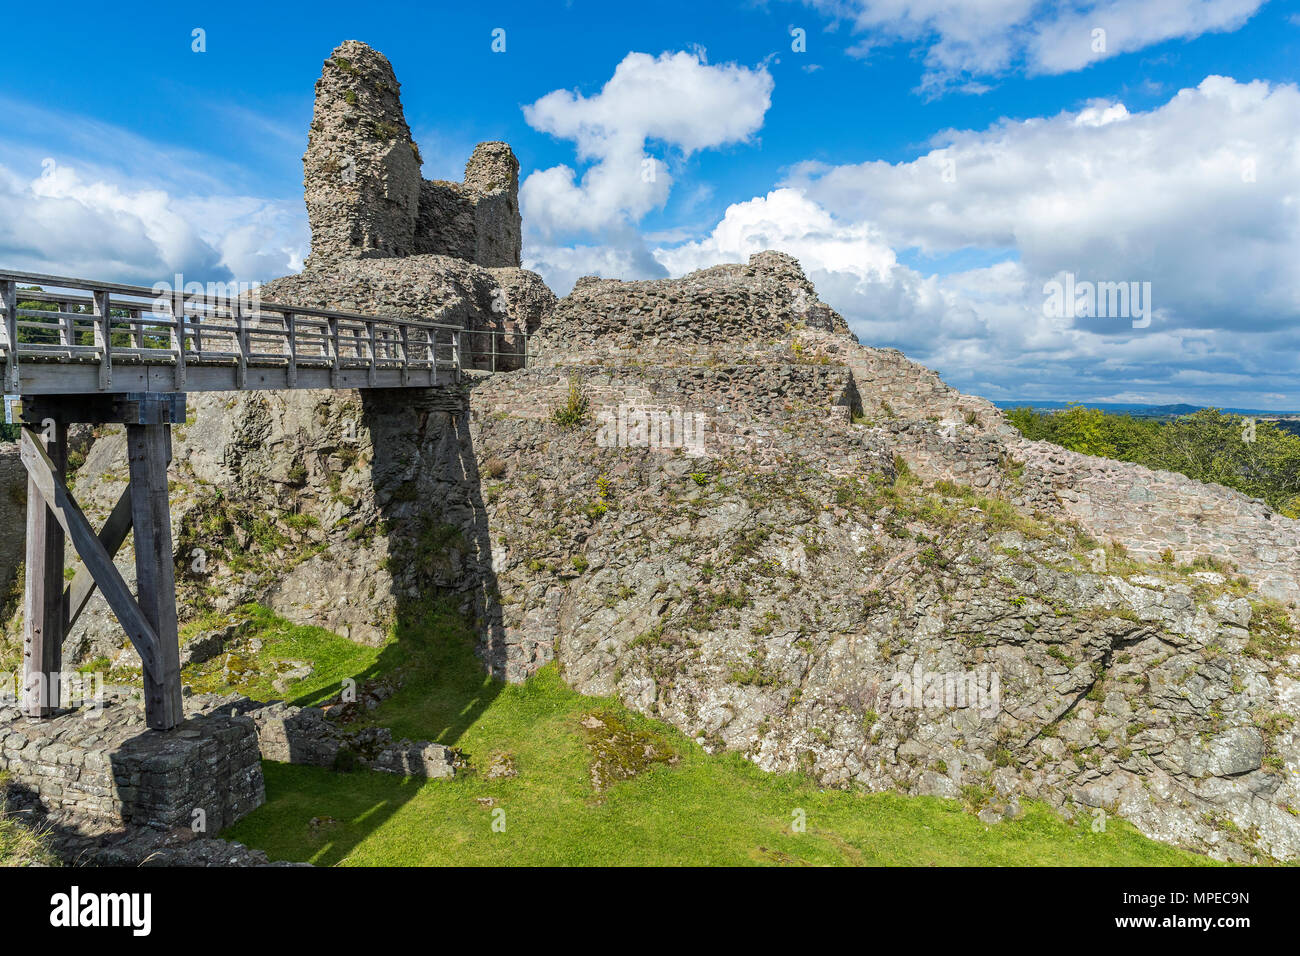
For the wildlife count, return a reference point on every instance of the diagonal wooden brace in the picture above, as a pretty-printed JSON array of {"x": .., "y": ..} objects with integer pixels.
[
  {"x": 111, "y": 536},
  {"x": 91, "y": 550}
]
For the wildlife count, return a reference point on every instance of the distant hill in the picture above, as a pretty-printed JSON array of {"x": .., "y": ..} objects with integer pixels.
[{"x": 1147, "y": 411}]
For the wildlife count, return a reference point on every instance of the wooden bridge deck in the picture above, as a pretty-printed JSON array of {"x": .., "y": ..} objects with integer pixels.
[{"x": 109, "y": 338}]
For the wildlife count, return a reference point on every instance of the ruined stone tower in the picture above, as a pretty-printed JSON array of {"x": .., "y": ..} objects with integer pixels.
[{"x": 361, "y": 174}]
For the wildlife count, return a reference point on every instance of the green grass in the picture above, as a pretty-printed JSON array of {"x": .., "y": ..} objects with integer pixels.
[
  {"x": 19, "y": 845},
  {"x": 333, "y": 657},
  {"x": 691, "y": 809}
]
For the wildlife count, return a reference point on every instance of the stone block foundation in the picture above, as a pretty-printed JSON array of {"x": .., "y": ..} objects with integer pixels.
[{"x": 105, "y": 768}]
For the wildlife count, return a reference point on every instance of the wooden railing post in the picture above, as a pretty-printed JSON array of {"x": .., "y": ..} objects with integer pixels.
[
  {"x": 332, "y": 328},
  {"x": 240, "y": 318},
  {"x": 291, "y": 331},
  {"x": 177, "y": 339},
  {"x": 370, "y": 336},
  {"x": 43, "y": 605},
  {"x": 65, "y": 324},
  {"x": 104, "y": 339},
  {"x": 9, "y": 298},
  {"x": 406, "y": 354}
]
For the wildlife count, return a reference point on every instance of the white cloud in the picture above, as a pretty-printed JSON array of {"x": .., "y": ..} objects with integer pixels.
[
  {"x": 676, "y": 99},
  {"x": 1200, "y": 197},
  {"x": 61, "y": 223},
  {"x": 981, "y": 38}
]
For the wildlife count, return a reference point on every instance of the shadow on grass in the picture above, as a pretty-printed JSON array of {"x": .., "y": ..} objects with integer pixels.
[{"x": 448, "y": 631}]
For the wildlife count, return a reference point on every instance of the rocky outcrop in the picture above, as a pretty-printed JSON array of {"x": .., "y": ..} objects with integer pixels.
[{"x": 365, "y": 196}]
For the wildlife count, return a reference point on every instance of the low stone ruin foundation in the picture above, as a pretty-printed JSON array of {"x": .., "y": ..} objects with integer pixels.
[{"x": 105, "y": 769}]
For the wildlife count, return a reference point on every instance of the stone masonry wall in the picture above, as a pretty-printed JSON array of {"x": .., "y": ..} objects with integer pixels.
[{"x": 111, "y": 770}]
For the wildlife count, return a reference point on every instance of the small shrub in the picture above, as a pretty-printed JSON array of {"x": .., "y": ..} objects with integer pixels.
[{"x": 573, "y": 411}]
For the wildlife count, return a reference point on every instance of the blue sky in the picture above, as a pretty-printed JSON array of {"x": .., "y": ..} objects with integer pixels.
[{"x": 932, "y": 164}]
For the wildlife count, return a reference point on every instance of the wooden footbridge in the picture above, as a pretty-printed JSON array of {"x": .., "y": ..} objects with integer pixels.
[{"x": 76, "y": 351}]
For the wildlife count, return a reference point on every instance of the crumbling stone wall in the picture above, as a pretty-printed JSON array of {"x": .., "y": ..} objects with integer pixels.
[
  {"x": 361, "y": 174},
  {"x": 1151, "y": 513},
  {"x": 477, "y": 219},
  {"x": 749, "y": 308}
]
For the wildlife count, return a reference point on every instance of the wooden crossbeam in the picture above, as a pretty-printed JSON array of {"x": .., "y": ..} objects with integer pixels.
[
  {"x": 112, "y": 536},
  {"x": 47, "y": 483}
]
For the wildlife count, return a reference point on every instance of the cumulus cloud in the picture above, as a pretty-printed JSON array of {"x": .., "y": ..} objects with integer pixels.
[
  {"x": 676, "y": 101},
  {"x": 1200, "y": 197},
  {"x": 966, "y": 39},
  {"x": 62, "y": 223}
]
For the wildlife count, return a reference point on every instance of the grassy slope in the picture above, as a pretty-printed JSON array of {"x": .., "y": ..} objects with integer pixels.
[{"x": 700, "y": 810}]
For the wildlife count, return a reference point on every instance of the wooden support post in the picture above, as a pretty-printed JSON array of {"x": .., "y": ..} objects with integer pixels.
[
  {"x": 43, "y": 610},
  {"x": 148, "y": 449}
]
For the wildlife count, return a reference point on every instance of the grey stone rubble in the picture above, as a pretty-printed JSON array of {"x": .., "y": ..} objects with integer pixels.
[
  {"x": 112, "y": 792},
  {"x": 303, "y": 735}
]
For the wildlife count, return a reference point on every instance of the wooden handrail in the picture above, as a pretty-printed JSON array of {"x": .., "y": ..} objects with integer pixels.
[{"x": 122, "y": 325}]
